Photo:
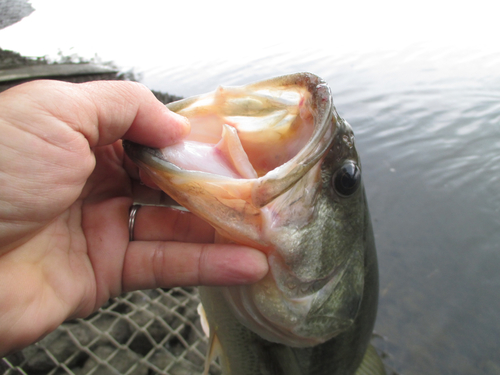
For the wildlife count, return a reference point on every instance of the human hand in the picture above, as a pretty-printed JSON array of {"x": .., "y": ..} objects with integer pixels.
[{"x": 65, "y": 194}]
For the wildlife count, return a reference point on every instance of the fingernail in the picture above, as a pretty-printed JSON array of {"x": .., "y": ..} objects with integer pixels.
[{"x": 256, "y": 267}]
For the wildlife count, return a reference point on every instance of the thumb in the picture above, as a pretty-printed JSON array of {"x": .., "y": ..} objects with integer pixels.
[{"x": 105, "y": 111}]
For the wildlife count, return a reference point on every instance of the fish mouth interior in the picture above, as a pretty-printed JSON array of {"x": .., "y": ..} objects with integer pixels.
[{"x": 243, "y": 134}]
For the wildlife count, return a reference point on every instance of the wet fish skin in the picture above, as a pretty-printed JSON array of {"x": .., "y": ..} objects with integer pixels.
[{"x": 340, "y": 355}]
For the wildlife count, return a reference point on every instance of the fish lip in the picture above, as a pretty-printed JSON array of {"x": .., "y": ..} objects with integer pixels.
[
  {"x": 147, "y": 156},
  {"x": 134, "y": 150}
]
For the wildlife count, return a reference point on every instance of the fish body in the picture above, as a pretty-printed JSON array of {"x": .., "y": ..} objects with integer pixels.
[{"x": 272, "y": 165}]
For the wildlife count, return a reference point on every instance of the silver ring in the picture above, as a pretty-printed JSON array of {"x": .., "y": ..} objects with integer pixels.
[{"x": 131, "y": 220}]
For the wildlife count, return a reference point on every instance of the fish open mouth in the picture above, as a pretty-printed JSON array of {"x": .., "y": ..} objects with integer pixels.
[
  {"x": 254, "y": 142},
  {"x": 252, "y": 167}
]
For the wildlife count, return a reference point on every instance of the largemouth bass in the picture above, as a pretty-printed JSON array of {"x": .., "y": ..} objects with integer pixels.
[{"x": 272, "y": 165}]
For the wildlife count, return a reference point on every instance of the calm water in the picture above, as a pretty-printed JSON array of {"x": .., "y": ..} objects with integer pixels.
[
  {"x": 427, "y": 122},
  {"x": 428, "y": 131}
]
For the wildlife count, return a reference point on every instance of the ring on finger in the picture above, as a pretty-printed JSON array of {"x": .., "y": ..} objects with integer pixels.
[{"x": 131, "y": 220}]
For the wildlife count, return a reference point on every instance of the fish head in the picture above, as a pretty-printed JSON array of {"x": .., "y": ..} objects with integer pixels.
[{"x": 273, "y": 166}]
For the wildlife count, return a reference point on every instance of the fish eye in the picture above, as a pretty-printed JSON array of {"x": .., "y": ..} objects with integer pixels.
[{"x": 347, "y": 179}]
